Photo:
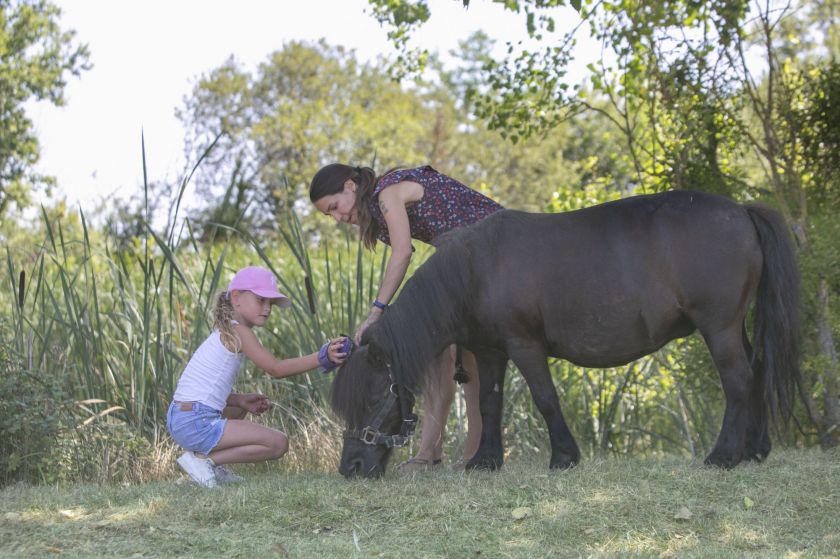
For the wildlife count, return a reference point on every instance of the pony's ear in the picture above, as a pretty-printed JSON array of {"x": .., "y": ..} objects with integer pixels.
[{"x": 376, "y": 355}]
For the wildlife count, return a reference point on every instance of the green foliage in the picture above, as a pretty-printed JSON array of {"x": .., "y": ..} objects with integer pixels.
[
  {"x": 35, "y": 409},
  {"x": 114, "y": 326},
  {"x": 819, "y": 117},
  {"x": 276, "y": 128},
  {"x": 36, "y": 56},
  {"x": 306, "y": 106},
  {"x": 113, "y": 313}
]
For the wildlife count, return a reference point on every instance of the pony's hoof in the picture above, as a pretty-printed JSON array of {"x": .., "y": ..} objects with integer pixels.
[
  {"x": 719, "y": 460},
  {"x": 562, "y": 464},
  {"x": 489, "y": 464},
  {"x": 757, "y": 454}
]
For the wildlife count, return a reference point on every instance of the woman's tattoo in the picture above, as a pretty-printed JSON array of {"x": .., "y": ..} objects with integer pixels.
[{"x": 382, "y": 207}]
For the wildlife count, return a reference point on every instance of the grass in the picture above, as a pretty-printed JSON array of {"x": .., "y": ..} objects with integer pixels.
[{"x": 787, "y": 507}]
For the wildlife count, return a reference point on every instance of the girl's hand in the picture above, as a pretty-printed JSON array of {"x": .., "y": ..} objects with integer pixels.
[
  {"x": 336, "y": 351},
  {"x": 333, "y": 353},
  {"x": 253, "y": 403},
  {"x": 372, "y": 317}
]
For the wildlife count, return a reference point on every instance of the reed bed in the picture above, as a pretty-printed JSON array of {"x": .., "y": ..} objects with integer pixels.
[{"x": 99, "y": 330}]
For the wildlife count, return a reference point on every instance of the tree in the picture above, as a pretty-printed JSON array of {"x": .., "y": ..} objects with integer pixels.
[
  {"x": 311, "y": 104},
  {"x": 307, "y": 105},
  {"x": 36, "y": 56}
]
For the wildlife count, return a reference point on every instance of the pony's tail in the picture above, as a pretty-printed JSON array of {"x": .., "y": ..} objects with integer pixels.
[{"x": 776, "y": 327}]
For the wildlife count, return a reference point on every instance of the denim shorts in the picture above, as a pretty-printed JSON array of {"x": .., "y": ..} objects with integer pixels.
[{"x": 199, "y": 429}]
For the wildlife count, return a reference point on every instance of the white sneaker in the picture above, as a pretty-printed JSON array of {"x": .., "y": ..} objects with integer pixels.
[
  {"x": 224, "y": 475},
  {"x": 199, "y": 469}
]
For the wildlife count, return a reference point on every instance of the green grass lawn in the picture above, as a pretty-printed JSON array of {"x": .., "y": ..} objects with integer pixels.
[{"x": 788, "y": 506}]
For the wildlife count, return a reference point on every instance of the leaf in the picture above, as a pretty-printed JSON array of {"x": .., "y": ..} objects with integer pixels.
[
  {"x": 748, "y": 503},
  {"x": 521, "y": 513},
  {"x": 683, "y": 514}
]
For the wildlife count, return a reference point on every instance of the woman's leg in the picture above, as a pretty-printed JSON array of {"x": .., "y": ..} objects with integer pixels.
[
  {"x": 437, "y": 400},
  {"x": 244, "y": 441},
  {"x": 471, "y": 399}
]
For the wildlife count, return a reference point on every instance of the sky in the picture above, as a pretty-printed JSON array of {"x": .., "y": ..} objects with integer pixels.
[{"x": 148, "y": 55}]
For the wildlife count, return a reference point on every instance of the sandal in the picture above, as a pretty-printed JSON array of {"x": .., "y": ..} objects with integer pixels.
[{"x": 418, "y": 465}]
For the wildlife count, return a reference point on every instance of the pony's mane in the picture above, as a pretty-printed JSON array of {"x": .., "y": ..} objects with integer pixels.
[
  {"x": 432, "y": 305},
  {"x": 351, "y": 386}
]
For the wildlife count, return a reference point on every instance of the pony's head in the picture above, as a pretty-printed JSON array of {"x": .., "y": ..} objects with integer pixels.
[{"x": 376, "y": 410}]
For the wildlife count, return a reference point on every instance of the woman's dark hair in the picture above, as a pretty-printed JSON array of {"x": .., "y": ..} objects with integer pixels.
[{"x": 330, "y": 180}]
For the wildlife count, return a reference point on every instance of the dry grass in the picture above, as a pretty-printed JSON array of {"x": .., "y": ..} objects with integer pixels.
[{"x": 786, "y": 507}]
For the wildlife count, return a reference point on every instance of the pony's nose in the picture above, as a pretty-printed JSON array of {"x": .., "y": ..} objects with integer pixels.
[
  {"x": 375, "y": 471},
  {"x": 352, "y": 469}
]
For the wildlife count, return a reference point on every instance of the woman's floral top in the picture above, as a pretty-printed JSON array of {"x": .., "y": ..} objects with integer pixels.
[{"x": 445, "y": 205}]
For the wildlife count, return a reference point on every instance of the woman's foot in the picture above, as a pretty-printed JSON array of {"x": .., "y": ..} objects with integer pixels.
[{"x": 418, "y": 465}]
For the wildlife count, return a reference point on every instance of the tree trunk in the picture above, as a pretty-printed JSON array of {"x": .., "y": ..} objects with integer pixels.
[{"x": 830, "y": 424}]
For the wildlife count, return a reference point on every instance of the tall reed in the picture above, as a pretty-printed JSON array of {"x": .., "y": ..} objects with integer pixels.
[{"x": 117, "y": 323}]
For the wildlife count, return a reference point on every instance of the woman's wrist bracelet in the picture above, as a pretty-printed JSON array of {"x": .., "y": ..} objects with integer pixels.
[{"x": 379, "y": 304}]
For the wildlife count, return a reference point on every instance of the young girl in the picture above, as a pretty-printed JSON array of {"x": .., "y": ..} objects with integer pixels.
[
  {"x": 402, "y": 205},
  {"x": 205, "y": 418}
]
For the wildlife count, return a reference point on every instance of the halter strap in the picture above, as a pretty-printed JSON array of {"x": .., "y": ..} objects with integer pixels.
[{"x": 373, "y": 436}]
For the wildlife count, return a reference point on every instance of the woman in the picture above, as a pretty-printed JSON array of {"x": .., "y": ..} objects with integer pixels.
[{"x": 406, "y": 204}]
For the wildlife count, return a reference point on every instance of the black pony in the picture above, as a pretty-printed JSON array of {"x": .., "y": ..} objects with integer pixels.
[{"x": 599, "y": 287}]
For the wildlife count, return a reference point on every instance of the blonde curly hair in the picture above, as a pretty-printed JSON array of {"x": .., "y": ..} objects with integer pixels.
[{"x": 222, "y": 321}]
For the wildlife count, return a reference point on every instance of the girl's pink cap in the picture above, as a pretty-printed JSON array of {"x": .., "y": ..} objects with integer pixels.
[{"x": 260, "y": 281}]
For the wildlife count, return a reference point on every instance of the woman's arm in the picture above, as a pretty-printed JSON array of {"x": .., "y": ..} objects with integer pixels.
[{"x": 392, "y": 203}]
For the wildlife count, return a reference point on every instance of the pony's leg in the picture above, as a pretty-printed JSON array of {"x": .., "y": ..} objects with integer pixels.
[
  {"x": 534, "y": 367},
  {"x": 758, "y": 433},
  {"x": 489, "y": 455},
  {"x": 736, "y": 375}
]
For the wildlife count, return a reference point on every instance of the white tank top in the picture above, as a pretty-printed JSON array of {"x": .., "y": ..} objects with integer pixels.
[{"x": 209, "y": 375}]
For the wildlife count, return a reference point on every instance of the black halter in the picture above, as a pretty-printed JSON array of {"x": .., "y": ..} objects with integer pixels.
[{"x": 372, "y": 435}]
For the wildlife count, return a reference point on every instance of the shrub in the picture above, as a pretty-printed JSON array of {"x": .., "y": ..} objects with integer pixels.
[{"x": 34, "y": 410}]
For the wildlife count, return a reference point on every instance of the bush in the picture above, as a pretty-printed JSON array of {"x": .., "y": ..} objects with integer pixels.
[{"x": 34, "y": 410}]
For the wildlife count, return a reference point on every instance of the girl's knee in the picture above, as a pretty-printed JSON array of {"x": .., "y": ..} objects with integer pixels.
[{"x": 279, "y": 446}]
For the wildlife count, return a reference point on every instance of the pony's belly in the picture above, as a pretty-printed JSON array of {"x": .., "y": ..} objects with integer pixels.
[{"x": 605, "y": 348}]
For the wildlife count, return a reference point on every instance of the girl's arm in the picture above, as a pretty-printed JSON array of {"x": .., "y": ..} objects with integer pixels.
[
  {"x": 281, "y": 368},
  {"x": 252, "y": 403}
]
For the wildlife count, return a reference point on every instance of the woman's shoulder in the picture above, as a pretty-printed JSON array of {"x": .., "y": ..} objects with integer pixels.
[{"x": 398, "y": 175}]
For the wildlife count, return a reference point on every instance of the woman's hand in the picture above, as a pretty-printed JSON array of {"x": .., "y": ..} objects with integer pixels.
[{"x": 372, "y": 317}]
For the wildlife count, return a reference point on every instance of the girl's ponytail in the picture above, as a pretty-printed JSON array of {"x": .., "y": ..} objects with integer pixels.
[{"x": 222, "y": 321}]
